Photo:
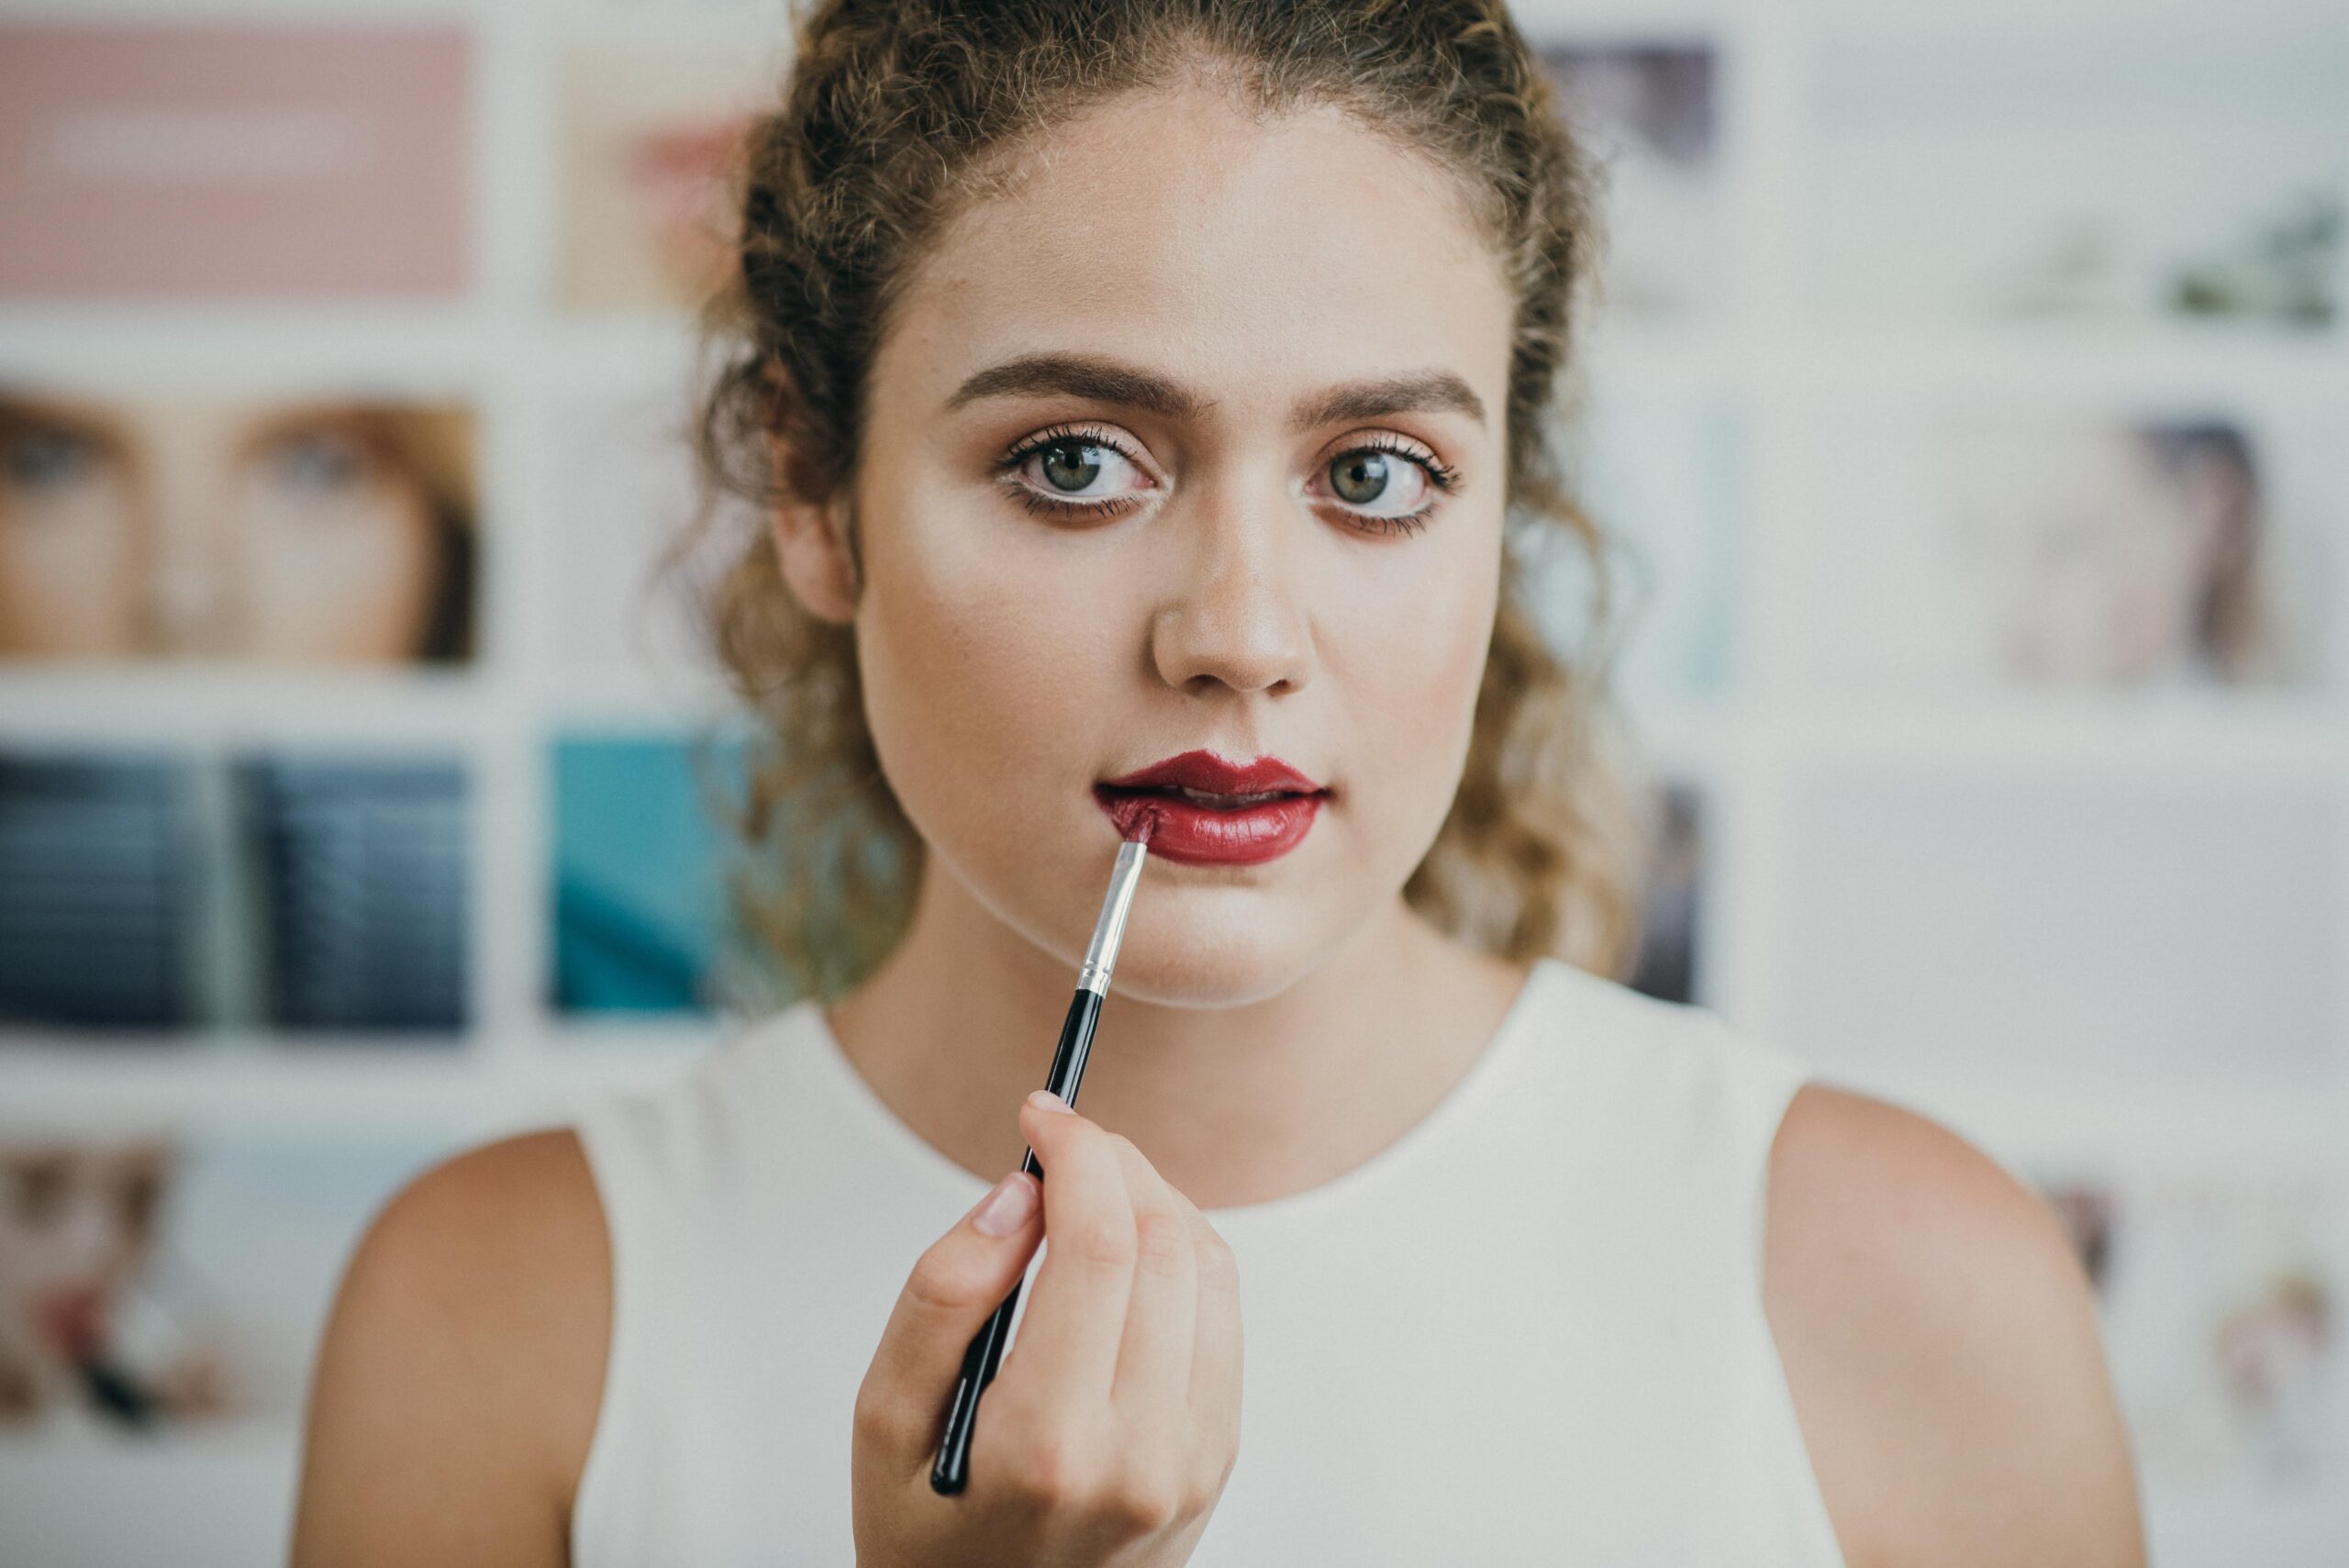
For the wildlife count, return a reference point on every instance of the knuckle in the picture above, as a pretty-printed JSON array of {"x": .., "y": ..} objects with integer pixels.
[
  {"x": 1101, "y": 1243},
  {"x": 1143, "y": 1497},
  {"x": 1218, "y": 1269},
  {"x": 877, "y": 1419},
  {"x": 1201, "y": 1489},
  {"x": 1053, "y": 1134},
  {"x": 945, "y": 1281},
  {"x": 1161, "y": 1243},
  {"x": 1054, "y": 1470},
  {"x": 1074, "y": 1126}
]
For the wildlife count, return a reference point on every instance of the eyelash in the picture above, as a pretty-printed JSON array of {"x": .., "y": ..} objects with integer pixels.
[{"x": 1442, "y": 474}]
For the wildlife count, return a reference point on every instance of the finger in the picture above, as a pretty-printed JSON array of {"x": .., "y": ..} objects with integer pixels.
[
  {"x": 1067, "y": 1345},
  {"x": 1216, "y": 1351},
  {"x": 961, "y": 1278},
  {"x": 1154, "y": 1373}
]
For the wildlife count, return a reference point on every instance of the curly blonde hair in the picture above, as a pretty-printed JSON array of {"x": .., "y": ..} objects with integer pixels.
[{"x": 900, "y": 113}]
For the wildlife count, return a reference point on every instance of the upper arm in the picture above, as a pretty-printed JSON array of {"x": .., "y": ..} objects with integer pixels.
[
  {"x": 462, "y": 1367},
  {"x": 1940, "y": 1339}
]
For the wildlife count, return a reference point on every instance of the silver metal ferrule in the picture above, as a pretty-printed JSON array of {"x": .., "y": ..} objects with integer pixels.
[{"x": 1111, "y": 928}]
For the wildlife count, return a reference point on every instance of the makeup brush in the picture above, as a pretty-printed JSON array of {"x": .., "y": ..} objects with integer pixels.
[{"x": 952, "y": 1468}]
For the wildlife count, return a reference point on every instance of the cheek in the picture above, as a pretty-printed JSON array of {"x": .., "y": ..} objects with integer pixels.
[
  {"x": 70, "y": 581},
  {"x": 988, "y": 659},
  {"x": 1407, "y": 658},
  {"x": 353, "y": 580},
  {"x": 380, "y": 537},
  {"x": 83, "y": 551},
  {"x": 2169, "y": 560}
]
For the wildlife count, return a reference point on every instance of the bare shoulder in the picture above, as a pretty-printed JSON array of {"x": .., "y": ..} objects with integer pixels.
[
  {"x": 458, "y": 1384},
  {"x": 1941, "y": 1343}
]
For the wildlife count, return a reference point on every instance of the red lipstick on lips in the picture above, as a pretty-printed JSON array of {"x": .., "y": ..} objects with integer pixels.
[{"x": 1201, "y": 809}]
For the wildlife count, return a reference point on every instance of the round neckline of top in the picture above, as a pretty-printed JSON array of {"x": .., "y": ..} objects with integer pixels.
[{"x": 1473, "y": 1087}]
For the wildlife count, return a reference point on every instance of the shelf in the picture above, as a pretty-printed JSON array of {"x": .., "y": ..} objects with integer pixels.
[
  {"x": 465, "y": 1083},
  {"x": 198, "y": 704}
]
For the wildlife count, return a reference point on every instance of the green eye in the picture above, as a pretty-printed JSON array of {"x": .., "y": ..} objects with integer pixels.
[
  {"x": 1071, "y": 466},
  {"x": 1359, "y": 478},
  {"x": 1059, "y": 474},
  {"x": 42, "y": 458}
]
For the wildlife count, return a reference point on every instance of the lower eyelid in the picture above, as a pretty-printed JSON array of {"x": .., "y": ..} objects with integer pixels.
[
  {"x": 1407, "y": 523},
  {"x": 1036, "y": 500}
]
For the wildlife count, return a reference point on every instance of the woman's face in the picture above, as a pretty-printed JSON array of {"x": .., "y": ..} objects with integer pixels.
[
  {"x": 1256, "y": 346},
  {"x": 76, "y": 1225},
  {"x": 143, "y": 529},
  {"x": 2095, "y": 563}
]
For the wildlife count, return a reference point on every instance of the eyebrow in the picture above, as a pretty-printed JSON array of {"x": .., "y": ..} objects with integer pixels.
[
  {"x": 1412, "y": 391},
  {"x": 1101, "y": 380}
]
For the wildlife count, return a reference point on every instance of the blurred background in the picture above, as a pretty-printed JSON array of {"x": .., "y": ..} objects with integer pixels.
[{"x": 1969, "y": 390}]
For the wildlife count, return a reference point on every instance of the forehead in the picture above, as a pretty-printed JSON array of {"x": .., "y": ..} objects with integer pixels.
[{"x": 1174, "y": 230}]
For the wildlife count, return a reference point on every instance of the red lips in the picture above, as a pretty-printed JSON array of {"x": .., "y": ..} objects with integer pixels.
[
  {"x": 1206, "y": 811},
  {"x": 73, "y": 1320}
]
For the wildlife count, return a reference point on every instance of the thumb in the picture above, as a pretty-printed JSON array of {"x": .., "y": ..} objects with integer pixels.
[{"x": 953, "y": 1287}]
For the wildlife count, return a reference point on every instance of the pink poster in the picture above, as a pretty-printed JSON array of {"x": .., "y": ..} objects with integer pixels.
[{"x": 138, "y": 161}]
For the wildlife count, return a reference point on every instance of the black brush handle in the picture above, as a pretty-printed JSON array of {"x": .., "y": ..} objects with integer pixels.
[{"x": 952, "y": 1469}]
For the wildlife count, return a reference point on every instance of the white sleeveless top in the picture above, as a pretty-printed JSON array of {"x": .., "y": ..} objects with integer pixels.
[{"x": 1530, "y": 1331}]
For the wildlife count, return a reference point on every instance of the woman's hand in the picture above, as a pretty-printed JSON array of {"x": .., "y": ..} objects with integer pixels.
[{"x": 1107, "y": 1435}]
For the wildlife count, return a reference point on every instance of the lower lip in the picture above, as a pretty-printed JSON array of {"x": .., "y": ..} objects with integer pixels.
[{"x": 1203, "y": 835}]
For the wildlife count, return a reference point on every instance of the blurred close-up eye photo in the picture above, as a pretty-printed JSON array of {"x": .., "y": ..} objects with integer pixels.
[
  {"x": 284, "y": 532},
  {"x": 1127, "y": 783}
]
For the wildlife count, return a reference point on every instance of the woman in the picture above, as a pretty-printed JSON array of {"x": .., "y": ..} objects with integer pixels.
[
  {"x": 316, "y": 531},
  {"x": 1154, "y": 382},
  {"x": 2113, "y": 553},
  {"x": 78, "y": 1236}
]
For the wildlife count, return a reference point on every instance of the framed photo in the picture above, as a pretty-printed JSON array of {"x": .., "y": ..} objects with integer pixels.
[
  {"x": 255, "y": 162},
  {"x": 298, "y": 528},
  {"x": 2219, "y": 1292},
  {"x": 1667, "y": 964},
  {"x": 322, "y": 895},
  {"x": 1953, "y": 546},
  {"x": 1648, "y": 112},
  {"x": 164, "y": 1281},
  {"x": 651, "y": 143},
  {"x": 643, "y": 920}
]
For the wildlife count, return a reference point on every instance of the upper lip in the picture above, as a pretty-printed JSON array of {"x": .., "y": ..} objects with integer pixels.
[{"x": 1203, "y": 772}]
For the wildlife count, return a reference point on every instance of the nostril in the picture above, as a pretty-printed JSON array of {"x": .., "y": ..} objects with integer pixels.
[{"x": 1205, "y": 643}]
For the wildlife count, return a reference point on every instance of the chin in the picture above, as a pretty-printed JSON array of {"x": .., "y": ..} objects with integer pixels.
[{"x": 1222, "y": 947}]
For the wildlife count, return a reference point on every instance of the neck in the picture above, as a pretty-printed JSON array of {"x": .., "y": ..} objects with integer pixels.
[{"x": 1232, "y": 1106}]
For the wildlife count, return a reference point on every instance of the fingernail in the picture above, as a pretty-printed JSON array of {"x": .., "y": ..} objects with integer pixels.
[
  {"x": 1006, "y": 1207},
  {"x": 1045, "y": 1100}
]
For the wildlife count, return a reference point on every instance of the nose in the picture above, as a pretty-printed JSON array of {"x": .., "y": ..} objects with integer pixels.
[
  {"x": 186, "y": 604},
  {"x": 189, "y": 587},
  {"x": 1234, "y": 615}
]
